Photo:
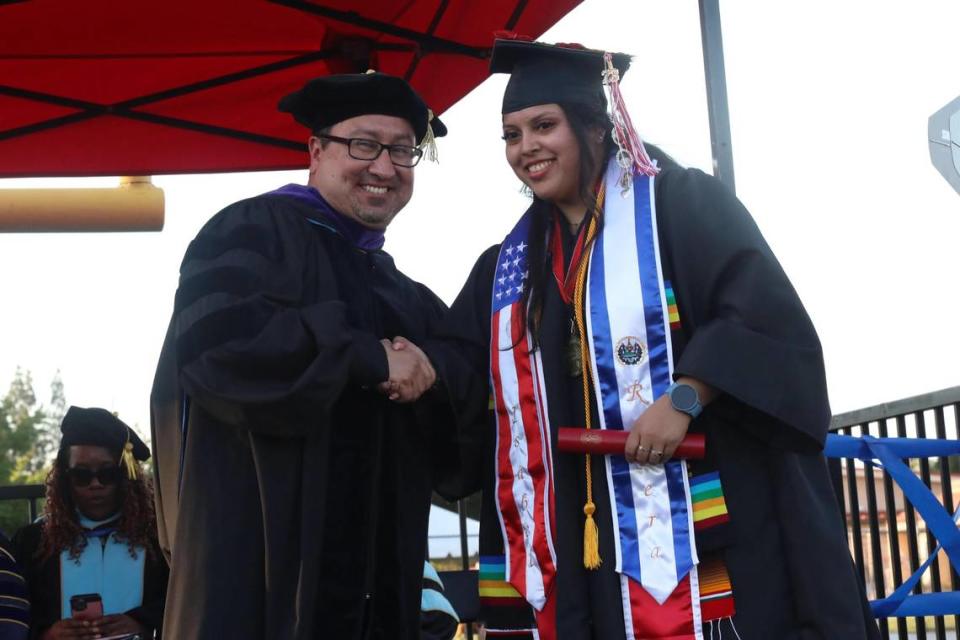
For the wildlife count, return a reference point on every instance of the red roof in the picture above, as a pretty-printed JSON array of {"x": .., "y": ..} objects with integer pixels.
[{"x": 150, "y": 87}]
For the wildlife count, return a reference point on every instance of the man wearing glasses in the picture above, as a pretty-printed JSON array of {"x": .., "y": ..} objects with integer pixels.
[{"x": 296, "y": 448}]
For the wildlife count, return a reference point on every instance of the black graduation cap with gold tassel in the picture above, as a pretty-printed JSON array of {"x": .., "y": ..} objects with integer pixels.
[{"x": 100, "y": 428}]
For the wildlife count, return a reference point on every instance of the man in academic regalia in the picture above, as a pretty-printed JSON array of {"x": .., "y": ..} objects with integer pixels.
[{"x": 295, "y": 448}]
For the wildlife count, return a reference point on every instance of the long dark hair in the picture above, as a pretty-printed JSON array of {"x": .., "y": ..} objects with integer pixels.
[
  {"x": 137, "y": 525},
  {"x": 585, "y": 121}
]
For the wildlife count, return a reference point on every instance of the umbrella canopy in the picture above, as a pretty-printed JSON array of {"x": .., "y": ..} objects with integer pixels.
[{"x": 177, "y": 86}]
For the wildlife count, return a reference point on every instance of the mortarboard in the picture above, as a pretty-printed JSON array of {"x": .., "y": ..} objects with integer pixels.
[
  {"x": 545, "y": 73},
  {"x": 98, "y": 427},
  {"x": 325, "y": 101}
]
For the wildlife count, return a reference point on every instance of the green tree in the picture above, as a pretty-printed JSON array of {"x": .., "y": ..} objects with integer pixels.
[{"x": 28, "y": 439}]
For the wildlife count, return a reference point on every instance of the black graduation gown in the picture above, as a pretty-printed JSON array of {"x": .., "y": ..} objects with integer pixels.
[
  {"x": 43, "y": 583},
  {"x": 744, "y": 331},
  {"x": 14, "y": 595},
  {"x": 293, "y": 496}
]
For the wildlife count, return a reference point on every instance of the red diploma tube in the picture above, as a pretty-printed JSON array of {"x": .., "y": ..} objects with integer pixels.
[{"x": 603, "y": 441}]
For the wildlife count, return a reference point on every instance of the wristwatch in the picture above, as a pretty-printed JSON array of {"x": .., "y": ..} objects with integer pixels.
[{"x": 685, "y": 399}]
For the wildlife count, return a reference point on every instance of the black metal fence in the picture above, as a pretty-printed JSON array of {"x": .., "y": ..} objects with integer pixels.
[
  {"x": 21, "y": 505},
  {"x": 887, "y": 538}
]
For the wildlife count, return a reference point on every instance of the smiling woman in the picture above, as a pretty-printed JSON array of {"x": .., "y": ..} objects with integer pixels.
[
  {"x": 543, "y": 151},
  {"x": 97, "y": 538},
  {"x": 638, "y": 296}
]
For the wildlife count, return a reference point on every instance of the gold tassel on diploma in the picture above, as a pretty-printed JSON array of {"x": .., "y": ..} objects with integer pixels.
[{"x": 591, "y": 537}]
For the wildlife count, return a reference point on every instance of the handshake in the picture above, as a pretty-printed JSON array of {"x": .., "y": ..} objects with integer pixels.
[{"x": 411, "y": 373}]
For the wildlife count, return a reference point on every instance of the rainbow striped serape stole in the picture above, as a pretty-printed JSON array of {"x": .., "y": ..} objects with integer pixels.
[
  {"x": 709, "y": 506},
  {"x": 494, "y": 588},
  {"x": 716, "y": 592},
  {"x": 504, "y": 612},
  {"x": 672, "y": 310}
]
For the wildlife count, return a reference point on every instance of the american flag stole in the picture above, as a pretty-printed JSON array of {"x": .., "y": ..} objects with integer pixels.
[{"x": 524, "y": 479}]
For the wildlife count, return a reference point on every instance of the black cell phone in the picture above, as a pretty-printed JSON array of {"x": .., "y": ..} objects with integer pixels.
[{"x": 86, "y": 606}]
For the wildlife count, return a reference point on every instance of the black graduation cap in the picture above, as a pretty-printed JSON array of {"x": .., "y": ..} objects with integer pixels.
[
  {"x": 551, "y": 73},
  {"x": 99, "y": 427},
  {"x": 327, "y": 100}
]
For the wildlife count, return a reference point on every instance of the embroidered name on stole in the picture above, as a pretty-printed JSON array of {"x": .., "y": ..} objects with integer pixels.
[
  {"x": 524, "y": 479},
  {"x": 628, "y": 305}
]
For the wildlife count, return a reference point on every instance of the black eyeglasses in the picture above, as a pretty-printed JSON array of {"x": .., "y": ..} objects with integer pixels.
[
  {"x": 81, "y": 477},
  {"x": 364, "y": 149}
]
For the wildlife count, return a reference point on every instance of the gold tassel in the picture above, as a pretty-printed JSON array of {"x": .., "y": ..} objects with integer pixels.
[
  {"x": 591, "y": 542},
  {"x": 429, "y": 142},
  {"x": 128, "y": 460}
]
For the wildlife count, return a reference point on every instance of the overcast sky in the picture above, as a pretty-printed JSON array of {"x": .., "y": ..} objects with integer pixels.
[{"x": 829, "y": 104}]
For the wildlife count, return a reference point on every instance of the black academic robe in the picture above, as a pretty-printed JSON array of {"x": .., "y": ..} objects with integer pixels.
[
  {"x": 292, "y": 496},
  {"x": 43, "y": 583},
  {"x": 14, "y": 595},
  {"x": 743, "y": 331}
]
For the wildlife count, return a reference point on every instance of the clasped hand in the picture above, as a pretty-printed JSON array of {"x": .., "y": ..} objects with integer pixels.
[{"x": 411, "y": 373}]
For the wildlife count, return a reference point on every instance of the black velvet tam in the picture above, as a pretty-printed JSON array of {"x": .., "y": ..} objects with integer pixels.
[
  {"x": 327, "y": 100},
  {"x": 99, "y": 427},
  {"x": 547, "y": 73}
]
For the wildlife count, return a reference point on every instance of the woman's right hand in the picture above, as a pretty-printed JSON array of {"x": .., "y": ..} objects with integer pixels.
[{"x": 71, "y": 629}]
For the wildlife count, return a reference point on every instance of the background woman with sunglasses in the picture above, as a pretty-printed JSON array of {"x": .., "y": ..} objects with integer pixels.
[{"x": 97, "y": 536}]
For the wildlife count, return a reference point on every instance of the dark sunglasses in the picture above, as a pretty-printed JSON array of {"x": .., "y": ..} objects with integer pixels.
[{"x": 81, "y": 477}]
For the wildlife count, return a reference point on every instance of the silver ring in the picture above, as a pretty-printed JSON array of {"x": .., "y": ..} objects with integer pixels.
[
  {"x": 641, "y": 448},
  {"x": 654, "y": 452}
]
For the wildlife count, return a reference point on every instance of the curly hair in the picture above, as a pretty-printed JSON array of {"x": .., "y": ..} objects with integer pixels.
[{"x": 137, "y": 525}]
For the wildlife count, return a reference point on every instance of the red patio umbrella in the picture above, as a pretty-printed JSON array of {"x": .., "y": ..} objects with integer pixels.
[{"x": 177, "y": 86}]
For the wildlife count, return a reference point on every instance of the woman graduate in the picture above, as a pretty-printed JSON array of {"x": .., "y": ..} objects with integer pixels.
[
  {"x": 637, "y": 295},
  {"x": 98, "y": 535}
]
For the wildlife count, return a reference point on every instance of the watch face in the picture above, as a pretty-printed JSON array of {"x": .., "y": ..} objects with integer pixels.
[{"x": 684, "y": 397}]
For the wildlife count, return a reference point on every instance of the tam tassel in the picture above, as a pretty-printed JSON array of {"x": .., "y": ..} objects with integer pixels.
[
  {"x": 631, "y": 154},
  {"x": 129, "y": 462},
  {"x": 126, "y": 456},
  {"x": 429, "y": 142},
  {"x": 591, "y": 542}
]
